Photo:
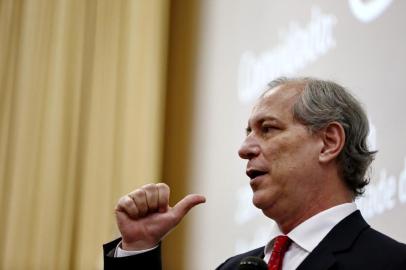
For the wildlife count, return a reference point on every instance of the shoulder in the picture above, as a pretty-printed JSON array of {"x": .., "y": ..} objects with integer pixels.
[
  {"x": 367, "y": 238},
  {"x": 353, "y": 244},
  {"x": 374, "y": 241},
  {"x": 375, "y": 250},
  {"x": 381, "y": 251},
  {"x": 233, "y": 262}
]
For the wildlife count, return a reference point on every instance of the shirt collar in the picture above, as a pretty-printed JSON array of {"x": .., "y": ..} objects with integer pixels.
[{"x": 309, "y": 233}]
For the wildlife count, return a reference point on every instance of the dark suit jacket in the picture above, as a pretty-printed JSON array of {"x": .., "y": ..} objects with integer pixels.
[{"x": 351, "y": 245}]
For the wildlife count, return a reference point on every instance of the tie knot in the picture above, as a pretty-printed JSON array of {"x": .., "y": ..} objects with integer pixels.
[{"x": 281, "y": 244}]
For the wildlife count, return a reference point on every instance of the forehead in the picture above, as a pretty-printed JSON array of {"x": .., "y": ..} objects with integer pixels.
[{"x": 276, "y": 103}]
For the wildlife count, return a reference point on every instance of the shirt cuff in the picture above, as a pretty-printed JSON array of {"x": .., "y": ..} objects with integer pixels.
[{"x": 119, "y": 252}]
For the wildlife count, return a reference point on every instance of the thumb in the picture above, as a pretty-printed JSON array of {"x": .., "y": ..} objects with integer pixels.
[{"x": 187, "y": 203}]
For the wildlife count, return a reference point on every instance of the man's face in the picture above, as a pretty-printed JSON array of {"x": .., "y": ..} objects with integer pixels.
[{"x": 282, "y": 156}]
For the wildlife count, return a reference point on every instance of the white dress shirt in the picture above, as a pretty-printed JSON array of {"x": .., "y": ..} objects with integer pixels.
[
  {"x": 119, "y": 252},
  {"x": 307, "y": 235}
]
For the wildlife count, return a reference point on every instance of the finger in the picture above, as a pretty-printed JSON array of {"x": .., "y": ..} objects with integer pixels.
[
  {"x": 187, "y": 203},
  {"x": 152, "y": 194},
  {"x": 127, "y": 206},
  {"x": 163, "y": 197},
  {"x": 140, "y": 200}
]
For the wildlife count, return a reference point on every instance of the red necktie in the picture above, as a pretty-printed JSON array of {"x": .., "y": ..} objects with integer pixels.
[{"x": 280, "y": 246}]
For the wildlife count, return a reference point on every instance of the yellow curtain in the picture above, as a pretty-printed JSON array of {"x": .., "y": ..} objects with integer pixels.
[
  {"x": 185, "y": 38},
  {"x": 81, "y": 121}
]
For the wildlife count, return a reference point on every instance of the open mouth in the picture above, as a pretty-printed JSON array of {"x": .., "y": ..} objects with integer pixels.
[{"x": 255, "y": 173}]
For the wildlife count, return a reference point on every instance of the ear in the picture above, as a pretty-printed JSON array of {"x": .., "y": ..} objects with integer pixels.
[{"x": 333, "y": 137}]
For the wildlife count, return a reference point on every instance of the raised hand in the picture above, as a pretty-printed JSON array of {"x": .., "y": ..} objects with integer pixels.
[{"x": 144, "y": 216}]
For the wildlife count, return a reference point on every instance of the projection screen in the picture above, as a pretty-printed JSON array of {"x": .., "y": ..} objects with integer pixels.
[{"x": 243, "y": 45}]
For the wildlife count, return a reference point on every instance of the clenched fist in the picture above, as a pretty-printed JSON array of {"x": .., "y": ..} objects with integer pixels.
[{"x": 144, "y": 216}]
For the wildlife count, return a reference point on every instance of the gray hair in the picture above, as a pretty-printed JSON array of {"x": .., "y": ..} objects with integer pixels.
[{"x": 322, "y": 102}]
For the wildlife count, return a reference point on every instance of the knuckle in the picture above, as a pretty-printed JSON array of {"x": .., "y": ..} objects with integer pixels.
[
  {"x": 149, "y": 187},
  {"x": 151, "y": 190},
  {"x": 163, "y": 190},
  {"x": 122, "y": 201},
  {"x": 162, "y": 187},
  {"x": 138, "y": 193},
  {"x": 127, "y": 202}
]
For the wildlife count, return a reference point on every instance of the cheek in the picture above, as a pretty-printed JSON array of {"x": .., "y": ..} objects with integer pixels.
[
  {"x": 292, "y": 161},
  {"x": 283, "y": 158}
]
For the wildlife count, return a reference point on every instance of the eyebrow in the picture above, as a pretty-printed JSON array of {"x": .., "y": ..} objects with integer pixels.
[{"x": 261, "y": 119}]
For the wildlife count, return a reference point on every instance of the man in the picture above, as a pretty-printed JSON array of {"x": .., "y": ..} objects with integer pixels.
[{"x": 306, "y": 158}]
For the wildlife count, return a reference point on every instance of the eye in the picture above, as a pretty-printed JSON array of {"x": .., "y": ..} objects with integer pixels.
[
  {"x": 248, "y": 131},
  {"x": 267, "y": 128}
]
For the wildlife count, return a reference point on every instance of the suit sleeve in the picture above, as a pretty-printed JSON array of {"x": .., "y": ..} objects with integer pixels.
[{"x": 148, "y": 260}]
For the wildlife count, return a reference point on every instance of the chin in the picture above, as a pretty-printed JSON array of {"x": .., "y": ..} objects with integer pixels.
[
  {"x": 264, "y": 203},
  {"x": 260, "y": 202}
]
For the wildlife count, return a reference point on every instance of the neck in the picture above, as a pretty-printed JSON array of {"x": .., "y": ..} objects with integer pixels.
[{"x": 287, "y": 224}]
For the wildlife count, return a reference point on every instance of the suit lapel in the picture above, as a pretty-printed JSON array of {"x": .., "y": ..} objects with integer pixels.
[
  {"x": 339, "y": 239},
  {"x": 321, "y": 260}
]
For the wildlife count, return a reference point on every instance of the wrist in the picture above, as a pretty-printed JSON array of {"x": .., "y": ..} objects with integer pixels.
[{"x": 137, "y": 245}]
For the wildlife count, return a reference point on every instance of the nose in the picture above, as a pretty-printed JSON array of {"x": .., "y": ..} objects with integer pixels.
[{"x": 249, "y": 148}]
